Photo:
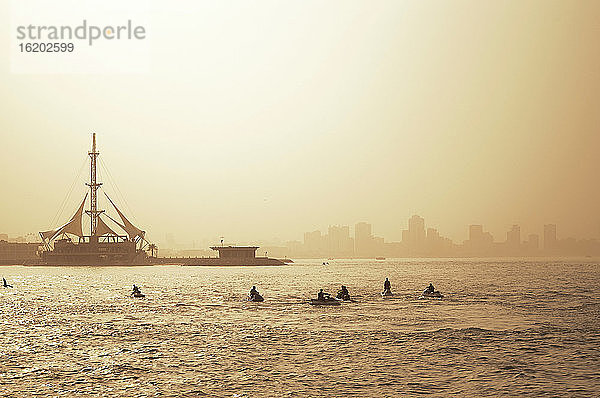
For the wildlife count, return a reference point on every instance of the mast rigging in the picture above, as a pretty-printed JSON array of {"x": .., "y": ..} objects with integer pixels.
[{"x": 94, "y": 185}]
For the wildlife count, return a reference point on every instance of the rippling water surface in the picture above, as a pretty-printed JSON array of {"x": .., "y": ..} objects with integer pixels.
[{"x": 504, "y": 328}]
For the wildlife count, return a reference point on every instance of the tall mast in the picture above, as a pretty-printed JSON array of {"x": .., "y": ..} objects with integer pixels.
[{"x": 93, "y": 212}]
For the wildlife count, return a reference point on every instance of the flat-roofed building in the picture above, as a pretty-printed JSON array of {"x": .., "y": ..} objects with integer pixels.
[{"x": 13, "y": 253}]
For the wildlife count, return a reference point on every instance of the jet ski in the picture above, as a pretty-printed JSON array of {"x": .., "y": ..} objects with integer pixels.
[
  {"x": 427, "y": 294},
  {"x": 138, "y": 294},
  {"x": 387, "y": 293},
  {"x": 326, "y": 301},
  {"x": 343, "y": 297},
  {"x": 257, "y": 298}
]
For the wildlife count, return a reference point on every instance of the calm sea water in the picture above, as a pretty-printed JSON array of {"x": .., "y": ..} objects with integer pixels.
[{"x": 505, "y": 328}]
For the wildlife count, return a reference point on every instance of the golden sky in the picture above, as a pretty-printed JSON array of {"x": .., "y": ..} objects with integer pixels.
[{"x": 267, "y": 119}]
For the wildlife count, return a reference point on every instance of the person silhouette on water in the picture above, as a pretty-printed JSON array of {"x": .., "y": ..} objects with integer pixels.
[
  {"x": 343, "y": 294},
  {"x": 322, "y": 296},
  {"x": 253, "y": 292},
  {"x": 136, "y": 289},
  {"x": 387, "y": 285},
  {"x": 5, "y": 284},
  {"x": 430, "y": 288}
]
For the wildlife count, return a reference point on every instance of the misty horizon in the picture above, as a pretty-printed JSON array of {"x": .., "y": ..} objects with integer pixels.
[
  {"x": 395, "y": 228},
  {"x": 530, "y": 244}
]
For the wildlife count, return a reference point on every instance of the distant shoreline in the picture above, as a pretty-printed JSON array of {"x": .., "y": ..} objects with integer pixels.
[{"x": 309, "y": 259}]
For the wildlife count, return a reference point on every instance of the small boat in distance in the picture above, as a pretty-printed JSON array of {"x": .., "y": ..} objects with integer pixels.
[
  {"x": 343, "y": 294},
  {"x": 327, "y": 301},
  {"x": 324, "y": 299},
  {"x": 435, "y": 294},
  {"x": 379, "y": 258},
  {"x": 137, "y": 292},
  {"x": 257, "y": 298},
  {"x": 430, "y": 292}
]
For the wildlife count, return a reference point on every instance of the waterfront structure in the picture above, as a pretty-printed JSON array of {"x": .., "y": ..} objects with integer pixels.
[
  {"x": 233, "y": 256},
  {"x": 68, "y": 245},
  {"x": 17, "y": 253}
]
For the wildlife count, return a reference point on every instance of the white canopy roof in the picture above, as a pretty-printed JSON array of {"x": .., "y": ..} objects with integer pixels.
[{"x": 73, "y": 226}]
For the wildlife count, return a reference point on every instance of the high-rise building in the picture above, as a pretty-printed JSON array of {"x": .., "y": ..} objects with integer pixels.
[
  {"x": 363, "y": 239},
  {"x": 550, "y": 241},
  {"x": 313, "y": 241},
  {"x": 405, "y": 237},
  {"x": 378, "y": 246},
  {"x": 479, "y": 242},
  {"x": 432, "y": 234},
  {"x": 513, "y": 238},
  {"x": 475, "y": 232},
  {"x": 414, "y": 238},
  {"x": 533, "y": 242},
  {"x": 339, "y": 242},
  {"x": 432, "y": 241}
]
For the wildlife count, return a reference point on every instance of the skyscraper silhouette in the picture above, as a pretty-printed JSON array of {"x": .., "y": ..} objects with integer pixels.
[{"x": 550, "y": 242}]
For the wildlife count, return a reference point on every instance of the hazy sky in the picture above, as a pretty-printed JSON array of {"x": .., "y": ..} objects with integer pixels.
[{"x": 267, "y": 119}]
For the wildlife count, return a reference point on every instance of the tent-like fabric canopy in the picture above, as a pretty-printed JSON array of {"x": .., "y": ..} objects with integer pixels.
[
  {"x": 103, "y": 229},
  {"x": 131, "y": 229},
  {"x": 73, "y": 226}
]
